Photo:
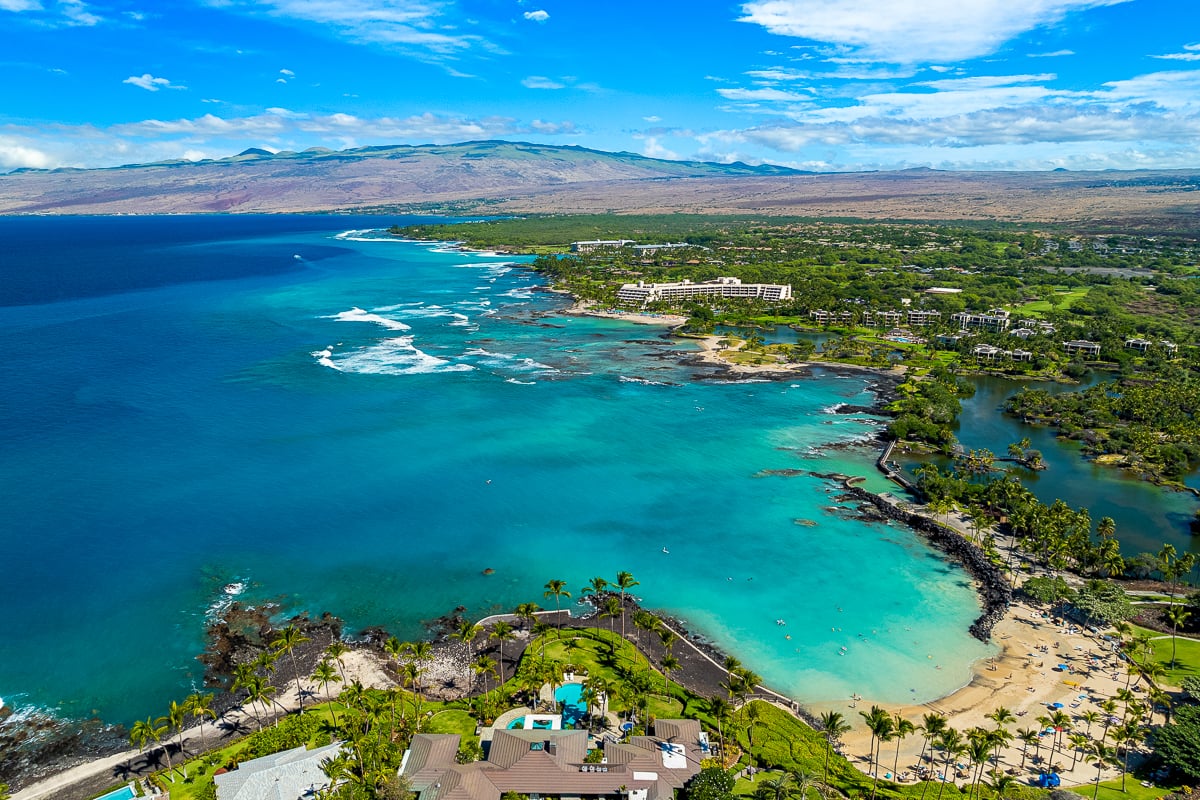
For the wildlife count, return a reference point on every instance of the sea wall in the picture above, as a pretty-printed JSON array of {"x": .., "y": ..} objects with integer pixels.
[{"x": 995, "y": 592}]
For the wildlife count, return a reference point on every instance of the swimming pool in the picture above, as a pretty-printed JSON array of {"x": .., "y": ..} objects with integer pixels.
[
  {"x": 124, "y": 793},
  {"x": 571, "y": 696},
  {"x": 542, "y": 722}
]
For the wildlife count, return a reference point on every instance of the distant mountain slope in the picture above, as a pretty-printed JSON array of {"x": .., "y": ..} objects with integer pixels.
[{"x": 315, "y": 179}]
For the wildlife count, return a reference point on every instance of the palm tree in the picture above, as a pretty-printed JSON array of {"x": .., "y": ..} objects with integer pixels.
[
  {"x": 931, "y": 725},
  {"x": 258, "y": 691},
  {"x": 643, "y": 620},
  {"x": 950, "y": 742},
  {"x": 613, "y": 609},
  {"x": 1079, "y": 743},
  {"x": 336, "y": 650},
  {"x": 804, "y": 781},
  {"x": 396, "y": 649},
  {"x": 175, "y": 717},
  {"x": 833, "y": 725},
  {"x": 285, "y": 642},
  {"x": 1001, "y": 783},
  {"x": 1103, "y": 755},
  {"x": 624, "y": 581},
  {"x": 541, "y": 630},
  {"x": 1177, "y": 615},
  {"x": 599, "y": 687},
  {"x": 1028, "y": 736},
  {"x": 199, "y": 705},
  {"x": 324, "y": 675},
  {"x": 901, "y": 728},
  {"x": 667, "y": 637},
  {"x": 979, "y": 747},
  {"x": 527, "y": 613},
  {"x": 719, "y": 709},
  {"x": 466, "y": 633},
  {"x": 669, "y": 664},
  {"x": 1090, "y": 717},
  {"x": 502, "y": 632},
  {"x": 595, "y": 586},
  {"x": 412, "y": 677},
  {"x": 558, "y": 589},
  {"x": 484, "y": 666},
  {"x": 780, "y": 788},
  {"x": 880, "y": 724},
  {"x": 1126, "y": 735},
  {"x": 145, "y": 730}
]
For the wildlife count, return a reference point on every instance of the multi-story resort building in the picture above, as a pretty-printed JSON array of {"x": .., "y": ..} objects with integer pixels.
[
  {"x": 1082, "y": 346},
  {"x": 994, "y": 319},
  {"x": 643, "y": 293},
  {"x": 1142, "y": 345},
  {"x": 882, "y": 318},
  {"x": 651, "y": 249},
  {"x": 918, "y": 317},
  {"x": 822, "y": 317},
  {"x": 987, "y": 352},
  {"x": 599, "y": 244}
]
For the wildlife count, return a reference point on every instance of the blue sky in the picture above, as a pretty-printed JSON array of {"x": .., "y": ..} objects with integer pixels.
[{"x": 814, "y": 84}]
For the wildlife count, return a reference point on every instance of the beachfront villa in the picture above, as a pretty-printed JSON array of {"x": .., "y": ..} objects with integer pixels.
[
  {"x": 290, "y": 775},
  {"x": 643, "y": 293},
  {"x": 551, "y": 764},
  {"x": 1143, "y": 345}
]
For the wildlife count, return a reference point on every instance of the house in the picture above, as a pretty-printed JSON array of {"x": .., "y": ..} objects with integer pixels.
[
  {"x": 551, "y": 764},
  {"x": 1141, "y": 345},
  {"x": 291, "y": 775},
  {"x": 987, "y": 352},
  {"x": 1081, "y": 346}
]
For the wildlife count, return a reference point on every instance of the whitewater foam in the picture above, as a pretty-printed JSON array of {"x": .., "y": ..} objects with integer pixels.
[
  {"x": 357, "y": 314},
  {"x": 397, "y": 356}
]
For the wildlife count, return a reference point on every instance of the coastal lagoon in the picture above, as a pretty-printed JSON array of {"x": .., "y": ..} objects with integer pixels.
[{"x": 308, "y": 411}]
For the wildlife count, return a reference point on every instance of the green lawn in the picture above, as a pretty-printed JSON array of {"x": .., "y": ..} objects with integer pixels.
[
  {"x": 1066, "y": 298},
  {"x": 1111, "y": 790}
]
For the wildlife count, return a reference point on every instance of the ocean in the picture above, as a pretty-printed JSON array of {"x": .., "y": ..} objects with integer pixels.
[{"x": 305, "y": 410}]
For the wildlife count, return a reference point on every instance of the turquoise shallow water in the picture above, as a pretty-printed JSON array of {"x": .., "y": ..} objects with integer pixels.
[{"x": 322, "y": 427}]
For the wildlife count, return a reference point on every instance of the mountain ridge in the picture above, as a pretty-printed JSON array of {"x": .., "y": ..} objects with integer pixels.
[{"x": 503, "y": 177}]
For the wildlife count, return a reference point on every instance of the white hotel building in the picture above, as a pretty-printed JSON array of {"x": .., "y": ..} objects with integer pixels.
[{"x": 643, "y": 293}]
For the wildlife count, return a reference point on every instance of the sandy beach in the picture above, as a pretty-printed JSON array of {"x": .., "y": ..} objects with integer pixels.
[{"x": 1024, "y": 677}]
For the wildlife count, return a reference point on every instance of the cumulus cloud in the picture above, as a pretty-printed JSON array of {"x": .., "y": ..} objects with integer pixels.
[
  {"x": 911, "y": 31},
  {"x": 1017, "y": 115},
  {"x": 536, "y": 16},
  {"x": 652, "y": 149},
  {"x": 147, "y": 140},
  {"x": 150, "y": 83}
]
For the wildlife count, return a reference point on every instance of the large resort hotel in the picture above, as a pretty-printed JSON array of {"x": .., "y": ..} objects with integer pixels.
[{"x": 643, "y": 293}]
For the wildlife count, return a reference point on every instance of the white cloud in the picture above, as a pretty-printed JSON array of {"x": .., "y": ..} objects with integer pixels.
[
  {"x": 15, "y": 154},
  {"x": 536, "y": 16},
  {"x": 418, "y": 27},
  {"x": 652, "y": 149},
  {"x": 755, "y": 95},
  {"x": 287, "y": 72},
  {"x": 912, "y": 31},
  {"x": 1053, "y": 54},
  {"x": 652, "y": 119},
  {"x": 77, "y": 13},
  {"x": 19, "y": 6},
  {"x": 1190, "y": 55},
  {"x": 541, "y": 82},
  {"x": 54, "y": 145},
  {"x": 150, "y": 83}
]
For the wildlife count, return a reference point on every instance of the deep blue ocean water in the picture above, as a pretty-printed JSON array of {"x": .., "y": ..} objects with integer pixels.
[{"x": 345, "y": 422}]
